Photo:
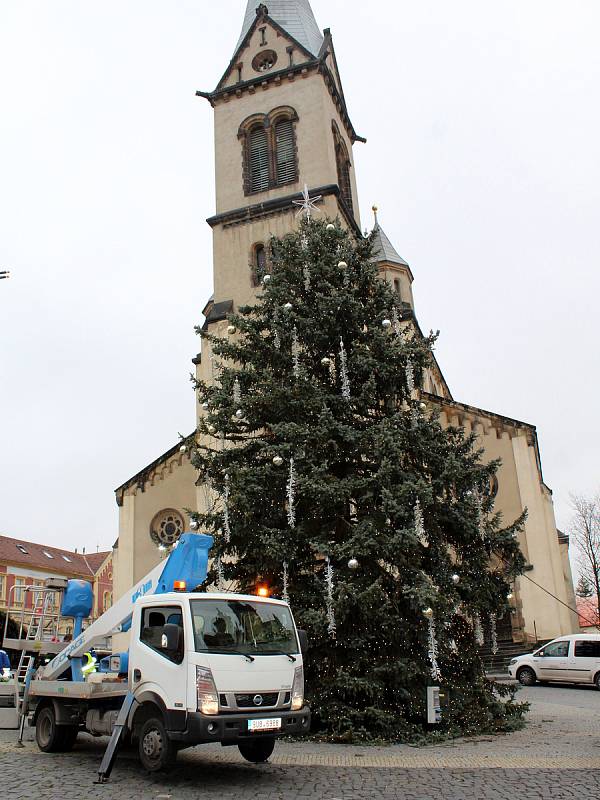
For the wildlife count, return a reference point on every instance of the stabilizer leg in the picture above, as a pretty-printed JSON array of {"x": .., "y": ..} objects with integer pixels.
[{"x": 110, "y": 755}]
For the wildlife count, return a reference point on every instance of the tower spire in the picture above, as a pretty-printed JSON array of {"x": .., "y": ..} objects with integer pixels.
[{"x": 294, "y": 16}]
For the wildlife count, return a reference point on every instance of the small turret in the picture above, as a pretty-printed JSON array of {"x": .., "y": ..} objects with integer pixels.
[{"x": 392, "y": 266}]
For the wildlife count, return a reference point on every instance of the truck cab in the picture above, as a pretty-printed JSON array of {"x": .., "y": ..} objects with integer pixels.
[{"x": 215, "y": 668}]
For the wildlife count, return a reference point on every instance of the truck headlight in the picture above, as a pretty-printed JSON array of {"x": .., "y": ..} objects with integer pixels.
[
  {"x": 206, "y": 692},
  {"x": 298, "y": 689}
]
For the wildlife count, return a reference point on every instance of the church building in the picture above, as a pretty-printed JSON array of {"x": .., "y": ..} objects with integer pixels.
[{"x": 282, "y": 123}]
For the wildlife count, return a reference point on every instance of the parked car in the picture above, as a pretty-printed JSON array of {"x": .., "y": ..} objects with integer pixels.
[{"x": 568, "y": 659}]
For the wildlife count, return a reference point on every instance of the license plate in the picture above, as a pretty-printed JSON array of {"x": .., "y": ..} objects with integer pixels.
[{"x": 264, "y": 725}]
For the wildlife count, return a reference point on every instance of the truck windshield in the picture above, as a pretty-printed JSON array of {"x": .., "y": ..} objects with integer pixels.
[{"x": 241, "y": 626}]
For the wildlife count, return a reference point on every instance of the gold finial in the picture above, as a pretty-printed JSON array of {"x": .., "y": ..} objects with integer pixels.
[{"x": 375, "y": 210}]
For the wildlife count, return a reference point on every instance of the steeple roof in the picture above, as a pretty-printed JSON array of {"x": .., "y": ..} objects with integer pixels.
[
  {"x": 383, "y": 249},
  {"x": 295, "y": 16}
]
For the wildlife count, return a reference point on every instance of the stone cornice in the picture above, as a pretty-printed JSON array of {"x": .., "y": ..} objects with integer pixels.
[
  {"x": 147, "y": 474},
  {"x": 237, "y": 90},
  {"x": 279, "y": 205}
]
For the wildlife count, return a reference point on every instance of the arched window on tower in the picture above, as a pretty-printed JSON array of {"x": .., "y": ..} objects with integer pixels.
[
  {"x": 342, "y": 159},
  {"x": 258, "y": 159},
  {"x": 258, "y": 266},
  {"x": 269, "y": 142}
]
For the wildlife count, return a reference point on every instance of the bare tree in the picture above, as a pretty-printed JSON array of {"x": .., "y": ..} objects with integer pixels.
[{"x": 585, "y": 532}]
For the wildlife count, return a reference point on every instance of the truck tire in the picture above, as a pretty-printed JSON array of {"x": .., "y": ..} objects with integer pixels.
[
  {"x": 53, "y": 738},
  {"x": 526, "y": 676},
  {"x": 257, "y": 751},
  {"x": 157, "y": 752}
]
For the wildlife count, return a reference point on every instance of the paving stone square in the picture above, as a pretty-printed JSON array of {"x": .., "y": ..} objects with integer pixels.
[{"x": 556, "y": 756}]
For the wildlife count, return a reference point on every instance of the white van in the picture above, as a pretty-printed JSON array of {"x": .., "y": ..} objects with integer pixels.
[{"x": 568, "y": 659}]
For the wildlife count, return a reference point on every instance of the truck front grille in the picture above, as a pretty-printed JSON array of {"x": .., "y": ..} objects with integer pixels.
[{"x": 249, "y": 700}]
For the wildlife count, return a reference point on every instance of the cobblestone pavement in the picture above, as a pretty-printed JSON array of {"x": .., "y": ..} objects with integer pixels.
[{"x": 557, "y": 755}]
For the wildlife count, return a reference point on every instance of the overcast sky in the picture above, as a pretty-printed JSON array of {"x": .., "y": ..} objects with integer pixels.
[{"x": 483, "y": 128}]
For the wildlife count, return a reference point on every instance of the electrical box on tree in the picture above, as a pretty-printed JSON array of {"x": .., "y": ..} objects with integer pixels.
[{"x": 437, "y": 700}]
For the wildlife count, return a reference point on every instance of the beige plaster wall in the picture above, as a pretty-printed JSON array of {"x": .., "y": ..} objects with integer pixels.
[
  {"x": 137, "y": 552},
  {"x": 232, "y": 249},
  {"x": 520, "y": 486}
]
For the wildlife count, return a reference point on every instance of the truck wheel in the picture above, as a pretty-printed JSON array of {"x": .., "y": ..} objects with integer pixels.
[
  {"x": 258, "y": 751},
  {"x": 597, "y": 681},
  {"x": 157, "y": 752},
  {"x": 526, "y": 676},
  {"x": 48, "y": 735}
]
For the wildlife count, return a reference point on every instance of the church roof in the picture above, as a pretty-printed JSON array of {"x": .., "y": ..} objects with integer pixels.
[
  {"x": 295, "y": 16},
  {"x": 383, "y": 249}
]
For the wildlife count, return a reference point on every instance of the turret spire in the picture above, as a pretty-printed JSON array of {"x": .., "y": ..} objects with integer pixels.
[{"x": 295, "y": 16}]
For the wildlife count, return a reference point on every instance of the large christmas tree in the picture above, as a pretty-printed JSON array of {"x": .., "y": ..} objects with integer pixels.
[{"x": 332, "y": 481}]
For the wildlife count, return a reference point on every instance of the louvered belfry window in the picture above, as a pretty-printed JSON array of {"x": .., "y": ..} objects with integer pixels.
[
  {"x": 269, "y": 146},
  {"x": 285, "y": 152},
  {"x": 258, "y": 160}
]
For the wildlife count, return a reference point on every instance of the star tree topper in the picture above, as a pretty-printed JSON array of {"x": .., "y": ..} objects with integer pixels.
[{"x": 308, "y": 203}]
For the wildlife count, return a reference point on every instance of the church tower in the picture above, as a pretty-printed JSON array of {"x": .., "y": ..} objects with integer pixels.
[{"x": 281, "y": 123}]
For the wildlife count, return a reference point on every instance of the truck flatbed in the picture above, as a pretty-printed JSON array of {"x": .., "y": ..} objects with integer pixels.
[{"x": 78, "y": 690}]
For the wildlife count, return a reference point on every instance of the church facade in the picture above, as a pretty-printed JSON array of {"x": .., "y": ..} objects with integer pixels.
[{"x": 281, "y": 123}]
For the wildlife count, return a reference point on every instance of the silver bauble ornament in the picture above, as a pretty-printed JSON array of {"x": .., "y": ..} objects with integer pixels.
[
  {"x": 288, "y": 307},
  {"x": 205, "y": 406},
  {"x": 353, "y": 564},
  {"x": 267, "y": 279},
  {"x": 211, "y": 429},
  {"x": 325, "y": 361},
  {"x": 231, "y": 329},
  {"x": 239, "y": 414},
  {"x": 342, "y": 265},
  {"x": 194, "y": 525},
  {"x": 330, "y": 227},
  {"x": 423, "y": 406},
  {"x": 455, "y": 579},
  {"x": 183, "y": 449},
  {"x": 428, "y": 613},
  {"x": 387, "y": 323},
  {"x": 278, "y": 461}
]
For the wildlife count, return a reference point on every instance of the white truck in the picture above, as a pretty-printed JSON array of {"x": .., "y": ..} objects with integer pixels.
[{"x": 201, "y": 667}]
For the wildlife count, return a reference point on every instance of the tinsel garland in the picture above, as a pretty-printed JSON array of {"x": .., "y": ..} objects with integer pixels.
[
  {"x": 285, "y": 595},
  {"x": 410, "y": 377},
  {"x": 420, "y": 524},
  {"x": 396, "y": 322},
  {"x": 478, "y": 630},
  {"x": 237, "y": 392},
  {"x": 296, "y": 352},
  {"x": 344, "y": 371},
  {"x": 226, "y": 525},
  {"x": 480, "y": 515},
  {"x": 291, "y": 496},
  {"x": 331, "y": 626},
  {"x": 306, "y": 273},
  {"x": 433, "y": 651},
  {"x": 332, "y": 370},
  {"x": 220, "y": 575},
  {"x": 493, "y": 634}
]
